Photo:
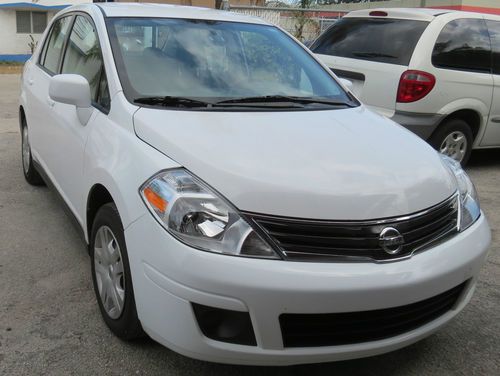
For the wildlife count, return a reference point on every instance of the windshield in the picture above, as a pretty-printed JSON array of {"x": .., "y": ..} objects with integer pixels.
[
  {"x": 384, "y": 40},
  {"x": 161, "y": 60}
]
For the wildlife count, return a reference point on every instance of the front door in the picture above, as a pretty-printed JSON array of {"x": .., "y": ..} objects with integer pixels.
[
  {"x": 41, "y": 127},
  {"x": 82, "y": 56},
  {"x": 60, "y": 137}
]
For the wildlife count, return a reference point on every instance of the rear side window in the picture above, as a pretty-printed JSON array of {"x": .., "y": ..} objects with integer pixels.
[
  {"x": 382, "y": 40},
  {"x": 494, "y": 29},
  {"x": 54, "y": 45},
  {"x": 83, "y": 56},
  {"x": 463, "y": 45}
]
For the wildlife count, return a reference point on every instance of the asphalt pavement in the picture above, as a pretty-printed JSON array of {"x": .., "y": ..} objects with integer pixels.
[{"x": 50, "y": 323}]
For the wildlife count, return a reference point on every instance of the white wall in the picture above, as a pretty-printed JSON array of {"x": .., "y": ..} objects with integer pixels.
[{"x": 12, "y": 43}]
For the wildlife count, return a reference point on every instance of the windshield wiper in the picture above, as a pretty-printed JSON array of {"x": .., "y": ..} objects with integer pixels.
[
  {"x": 172, "y": 101},
  {"x": 280, "y": 99},
  {"x": 373, "y": 54}
]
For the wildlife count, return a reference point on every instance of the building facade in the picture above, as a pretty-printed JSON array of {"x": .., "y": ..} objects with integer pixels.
[{"x": 22, "y": 24}]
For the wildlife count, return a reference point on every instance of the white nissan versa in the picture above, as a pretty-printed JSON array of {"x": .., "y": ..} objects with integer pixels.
[{"x": 240, "y": 205}]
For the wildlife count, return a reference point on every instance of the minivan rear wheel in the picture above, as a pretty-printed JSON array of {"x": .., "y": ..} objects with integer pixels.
[{"x": 454, "y": 138}]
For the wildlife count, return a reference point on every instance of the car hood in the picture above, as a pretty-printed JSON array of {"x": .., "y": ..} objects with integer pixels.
[{"x": 347, "y": 164}]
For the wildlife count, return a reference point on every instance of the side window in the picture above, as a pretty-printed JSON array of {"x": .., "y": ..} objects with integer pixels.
[
  {"x": 83, "y": 56},
  {"x": 54, "y": 44},
  {"x": 463, "y": 44},
  {"x": 494, "y": 28}
]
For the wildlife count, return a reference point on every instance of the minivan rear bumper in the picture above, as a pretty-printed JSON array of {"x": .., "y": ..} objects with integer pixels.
[{"x": 421, "y": 124}]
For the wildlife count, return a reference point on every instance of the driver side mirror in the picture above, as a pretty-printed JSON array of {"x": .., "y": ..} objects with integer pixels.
[{"x": 75, "y": 90}]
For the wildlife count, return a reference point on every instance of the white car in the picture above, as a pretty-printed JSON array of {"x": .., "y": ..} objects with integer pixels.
[
  {"x": 239, "y": 204},
  {"x": 435, "y": 71}
]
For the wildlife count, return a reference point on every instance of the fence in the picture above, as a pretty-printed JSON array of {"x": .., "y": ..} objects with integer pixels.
[{"x": 305, "y": 24}]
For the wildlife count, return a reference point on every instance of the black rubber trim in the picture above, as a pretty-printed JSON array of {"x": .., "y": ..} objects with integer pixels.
[
  {"x": 348, "y": 74},
  {"x": 101, "y": 9},
  {"x": 225, "y": 325},
  {"x": 336, "y": 329}
]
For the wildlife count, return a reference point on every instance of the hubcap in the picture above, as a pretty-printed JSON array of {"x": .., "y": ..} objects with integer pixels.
[
  {"x": 109, "y": 273},
  {"x": 26, "y": 149},
  {"x": 454, "y": 146}
]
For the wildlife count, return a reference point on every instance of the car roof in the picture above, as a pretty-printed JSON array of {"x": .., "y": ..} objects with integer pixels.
[
  {"x": 421, "y": 14},
  {"x": 168, "y": 11}
]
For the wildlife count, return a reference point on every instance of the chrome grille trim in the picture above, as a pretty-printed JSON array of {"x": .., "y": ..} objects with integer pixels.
[{"x": 300, "y": 239}]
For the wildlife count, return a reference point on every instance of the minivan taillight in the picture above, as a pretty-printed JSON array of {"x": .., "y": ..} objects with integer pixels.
[{"x": 414, "y": 85}]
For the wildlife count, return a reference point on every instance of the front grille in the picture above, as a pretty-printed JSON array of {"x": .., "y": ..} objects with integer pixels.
[
  {"x": 333, "y": 329},
  {"x": 318, "y": 240}
]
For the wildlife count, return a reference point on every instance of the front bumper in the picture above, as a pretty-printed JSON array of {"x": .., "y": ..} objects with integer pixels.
[
  {"x": 422, "y": 125},
  {"x": 168, "y": 276}
]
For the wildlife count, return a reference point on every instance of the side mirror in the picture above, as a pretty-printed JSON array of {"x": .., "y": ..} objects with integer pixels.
[
  {"x": 75, "y": 90},
  {"x": 346, "y": 83}
]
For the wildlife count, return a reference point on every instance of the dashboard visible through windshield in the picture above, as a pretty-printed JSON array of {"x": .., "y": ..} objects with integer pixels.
[{"x": 201, "y": 63}]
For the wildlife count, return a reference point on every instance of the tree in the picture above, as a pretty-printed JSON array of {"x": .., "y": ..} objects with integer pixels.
[{"x": 301, "y": 18}]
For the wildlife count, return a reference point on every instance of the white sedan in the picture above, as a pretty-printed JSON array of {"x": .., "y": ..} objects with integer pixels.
[{"x": 239, "y": 204}]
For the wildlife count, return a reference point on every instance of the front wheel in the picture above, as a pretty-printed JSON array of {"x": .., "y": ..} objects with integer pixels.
[
  {"x": 454, "y": 138},
  {"x": 111, "y": 274}
]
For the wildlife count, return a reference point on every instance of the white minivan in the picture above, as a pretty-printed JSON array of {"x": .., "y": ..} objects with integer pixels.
[
  {"x": 436, "y": 72},
  {"x": 238, "y": 203}
]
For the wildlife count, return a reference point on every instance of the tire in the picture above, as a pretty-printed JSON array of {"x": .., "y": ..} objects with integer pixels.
[
  {"x": 30, "y": 173},
  {"x": 454, "y": 138},
  {"x": 115, "y": 286}
]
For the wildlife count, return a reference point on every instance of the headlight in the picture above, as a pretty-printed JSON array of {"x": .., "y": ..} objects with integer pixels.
[
  {"x": 199, "y": 217},
  {"x": 469, "y": 201}
]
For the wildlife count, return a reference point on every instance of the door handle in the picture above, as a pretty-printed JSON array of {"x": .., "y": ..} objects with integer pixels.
[
  {"x": 495, "y": 120},
  {"x": 50, "y": 102},
  {"x": 31, "y": 82}
]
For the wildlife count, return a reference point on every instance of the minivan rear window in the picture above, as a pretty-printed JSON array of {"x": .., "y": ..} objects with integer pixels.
[{"x": 384, "y": 40}]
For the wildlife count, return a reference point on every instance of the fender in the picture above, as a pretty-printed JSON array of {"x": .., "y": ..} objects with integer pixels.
[
  {"x": 473, "y": 104},
  {"x": 117, "y": 159}
]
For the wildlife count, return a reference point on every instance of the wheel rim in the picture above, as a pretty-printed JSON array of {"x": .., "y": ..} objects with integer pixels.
[
  {"x": 454, "y": 146},
  {"x": 108, "y": 266},
  {"x": 26, "y": 149}
]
